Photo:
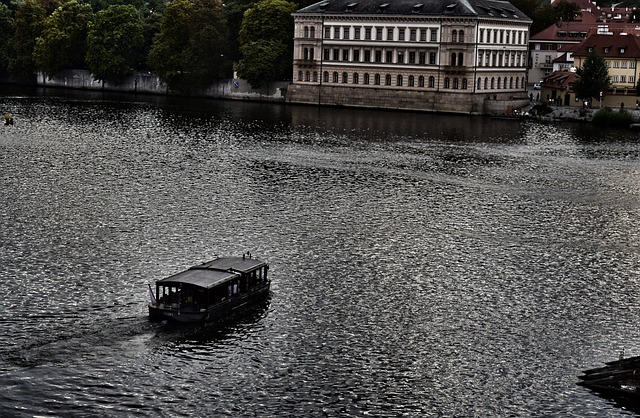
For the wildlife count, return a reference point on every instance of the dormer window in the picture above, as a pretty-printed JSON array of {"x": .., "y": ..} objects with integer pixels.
[
  {"x": 383, "y": 7},
  {"x": 606, "y": 49},
  {"x": 622, "y": 50},
  {"x": 417, "y": 7},
  {"x": 590, "y": 49},
  {"x": 351, "y": 6}
]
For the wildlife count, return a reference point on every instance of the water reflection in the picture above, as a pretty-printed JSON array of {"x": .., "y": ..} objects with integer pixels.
[{"x": 422, "y": 265}]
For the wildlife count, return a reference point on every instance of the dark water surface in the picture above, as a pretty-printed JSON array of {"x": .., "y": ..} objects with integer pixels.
[{"x": 422, "y": 265}]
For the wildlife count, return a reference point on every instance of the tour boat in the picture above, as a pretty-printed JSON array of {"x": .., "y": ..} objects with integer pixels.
[{"x": 210, "y": 290}]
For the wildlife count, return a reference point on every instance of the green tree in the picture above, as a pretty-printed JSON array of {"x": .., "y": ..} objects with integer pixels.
[
  {"x": 207, "y": 48},
  {"x": 113, "y": 42},
  {"x": 593, "y": 77},
  {"x": 151, "y": 15},
  {"x": 189, "y": 51},
  {"x": 6, "y": 33},
  {"x": 63, "y": 42},
  {"x": 266, "y": 42},
  {"x": 27, "y": 26}
]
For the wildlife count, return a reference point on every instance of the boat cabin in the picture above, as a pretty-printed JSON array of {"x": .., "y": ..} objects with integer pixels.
[{"x": 215, "y": 286}]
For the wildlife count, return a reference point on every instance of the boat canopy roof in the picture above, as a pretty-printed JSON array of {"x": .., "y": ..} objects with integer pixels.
[{"x": 213, "y": 273}]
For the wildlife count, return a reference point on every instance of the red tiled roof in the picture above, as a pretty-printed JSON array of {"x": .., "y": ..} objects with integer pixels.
[
  {"x": 610, "y": 46},
  {"x": 559, "y": 80}
]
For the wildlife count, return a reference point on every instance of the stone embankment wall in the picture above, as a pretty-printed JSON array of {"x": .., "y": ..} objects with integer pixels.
[
  {"x": 424, "y": 101},
  {"x": 232, "y": 88}
]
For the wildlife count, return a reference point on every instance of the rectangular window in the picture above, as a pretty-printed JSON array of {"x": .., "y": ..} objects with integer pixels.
[
  {"x": 632, "y": 79},
  {"x": 336, "y": 54},
  {"x": 378, "y": 56},
  {"x": 325, "y": 55},
  {"x": 422, "y": 58},
  {"x": 356, "y": 55},
  {"x": 615, "y": 78},
  {"x": 434, "y": 35},
  {"x": 356, "y": 34},
  {"x": 401, "y": 34},
  {"x": 616, "y": 64},
  {"x": 481, "y": 38},
  {"x": 389, "y": 34},
  {"x": 623, "y": 64},
  {"x": 327, "y": 32},
  {"x": 412, "y": 57},
  {"x": 423, "y": 35},
  {"x": 367, "y": 55},
  {"x": 367, "y": 34},
  {"x": 632, "y": 64},
  {"x": 388, "y": 56},
  {"x": 378, "y": 34},
  {"x": 345, "y": 55},
  {"x": 400, "y": 57},
  {"x": 412, "y": 35},
  {"x": 623, "y": 78},
  {"x": 432, "y": 58}
]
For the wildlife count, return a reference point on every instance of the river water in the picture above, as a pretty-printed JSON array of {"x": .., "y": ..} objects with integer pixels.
[{"x": 422, "y": 265}]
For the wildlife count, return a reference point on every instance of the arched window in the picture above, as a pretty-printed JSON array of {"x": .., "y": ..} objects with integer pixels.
[
  {"x": 498, "y": 85},
  {"x": 311, "y": 53},
  {"x": 517, "y": 83},
  {"x": 460, "y": 59},
  {"x": 387, "y": 80},
  {"x": 421, "y": 81},
  {"x": 464, "y": 84},
  {"x": 376, "y": 79},
  {"x": 511, "y": 83},
  {"x": 432, "y": 81},
  {"x": 479, "y": 84},
  {"x": 492, "y": 83},
  {"x": 411, "y": 81},
  {"x": 453, "y": 58},
  {"x": 461, "y": 36},
  {"x": 454, "y": 36},
  {"x": 366, "y": 78},
  {"x": 307, "y": 76},
  {"x": 504, "y": 83},
  {"x": 356, "y": 78},
  {"x": 455, "y": 84},
  {"x": 345, "y": 78},
  {"x": 486, "y": 83},
  {"x": 447, "y": 83},
  {"x": 306, "y": 53},
  {"x": 306, "y": 31},
  {"x": 522, "y": 82},
  {"x": 399, "y": 80},
  {"x": 335, "y": 76},
  {"x": 315, "y": 76},
  {"x": 325, "y": 77}
]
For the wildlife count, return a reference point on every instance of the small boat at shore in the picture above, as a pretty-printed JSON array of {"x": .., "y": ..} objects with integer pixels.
[{"x": 210, "y": 290}]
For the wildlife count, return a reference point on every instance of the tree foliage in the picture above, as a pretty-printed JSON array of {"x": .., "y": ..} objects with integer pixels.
[
  {"x": 114, "y": 41},
  {"x": 6, "y": 31},
  {"x": 266, "y": 42},
  {"x": 545, "y": 14},
  {"x": 593, "y": 77},
  {"x": 189, "y": 51},
  {"x": 63, "y": 42},
  {"x": 27, "y": 26}
]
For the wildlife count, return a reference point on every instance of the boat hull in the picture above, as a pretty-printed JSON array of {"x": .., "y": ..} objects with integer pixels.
[{"x": 211, "y": 313}]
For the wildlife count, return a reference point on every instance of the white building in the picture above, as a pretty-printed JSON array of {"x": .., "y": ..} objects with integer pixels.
[{"x": 462, "y": 56}]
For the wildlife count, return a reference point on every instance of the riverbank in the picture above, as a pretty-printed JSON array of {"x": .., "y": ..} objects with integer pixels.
[{"x": 573, "y": 114}]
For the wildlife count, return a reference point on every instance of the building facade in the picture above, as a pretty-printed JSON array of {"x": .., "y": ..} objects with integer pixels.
[
  {"x": 466, "y": 56},
  {"x": 555, "y": 40}
]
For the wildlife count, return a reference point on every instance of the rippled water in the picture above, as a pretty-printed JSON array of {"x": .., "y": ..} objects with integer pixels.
[{"x": 422, "y": 265}]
